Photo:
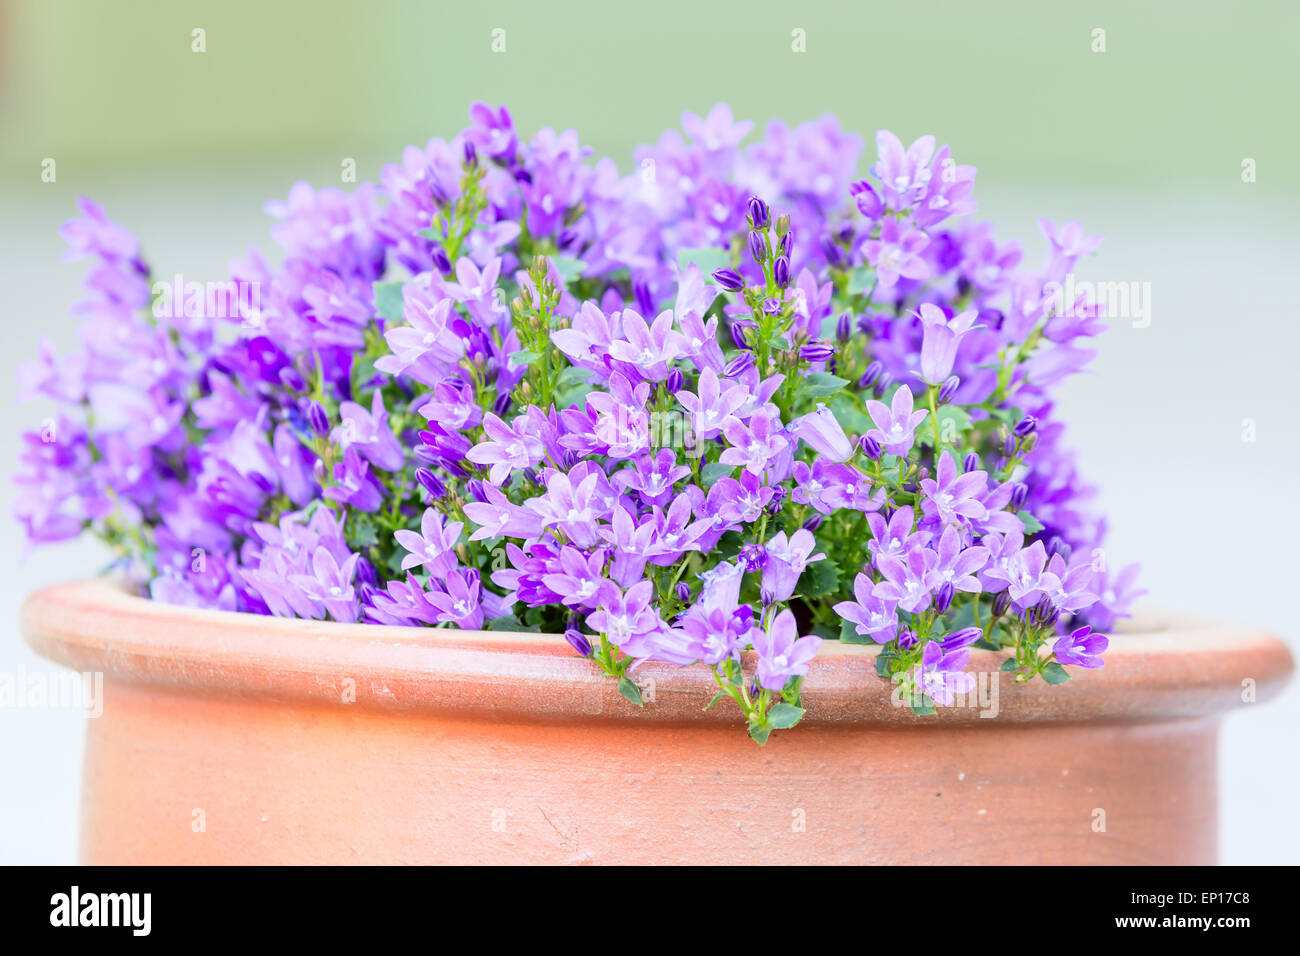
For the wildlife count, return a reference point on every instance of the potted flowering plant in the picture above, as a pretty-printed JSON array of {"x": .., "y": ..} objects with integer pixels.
[{"x": 746, "y": 430}]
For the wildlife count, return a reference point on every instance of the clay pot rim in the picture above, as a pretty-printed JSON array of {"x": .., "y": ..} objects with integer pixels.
[{"x": 1163, "y": 666}]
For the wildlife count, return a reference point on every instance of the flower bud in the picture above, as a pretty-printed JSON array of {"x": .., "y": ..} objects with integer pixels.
[
  {"x": 578, "y": 642},
  {"x": 471, "y": 154},
  {"x": 757, "y": 247},
  {"x": 1019, "y": 494},
  {"x": 758, "y": 213},
  {"x": 317, "y": 418},
  {"x": 430, "y": 483},
  {"x": 785, "y": 244},
  {"x": 738, "y": 335},
  {"x": 1001, "y": 603},
  {"x": 1026, "y": 426},
  {"x": 812, "y": 523},
  {"x": 949, "y": 389},
  {"x": 869, "y": 377},
  {"x": 753, "y": 556},
  {"x": 972, "y": 463},
  {"x": 906, "y": 640},
  {"x": 674, "y": 382},
  {"x": 502, "y": 404},
  {"x": 291, "y": 379},
  {"x": 870, "y": 447},
  {"x": 783, "y": 225},
  {"x": 843, "y": 327},
  {"x": 833, "y": 253},
  {"x": 738, "y": 364},
  {"x": 683, "y": 592},
  {"x": 882, "y": 384},
  {"x": 729, "y": 279},
  {"x": 781, "y": 271},
  {"x": 366, "y": 571},
  {"x": 816, "y": 352},
  {"x": 440, "y": 260},
  {"x": 778, "y": 500},
  {"x": 943, "y": 596}
]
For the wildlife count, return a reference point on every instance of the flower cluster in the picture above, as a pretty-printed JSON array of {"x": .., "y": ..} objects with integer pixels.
[{"x": 717, "y": 411}]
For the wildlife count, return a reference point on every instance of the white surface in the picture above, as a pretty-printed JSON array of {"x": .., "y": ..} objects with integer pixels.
[{"x": 1159, "y": 425}]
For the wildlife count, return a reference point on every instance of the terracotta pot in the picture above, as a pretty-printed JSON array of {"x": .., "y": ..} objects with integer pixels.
[{"x": 231, "y": 738}]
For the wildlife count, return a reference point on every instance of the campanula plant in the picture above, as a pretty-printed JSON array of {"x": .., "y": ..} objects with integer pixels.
[{"x": 715, "y": 412}]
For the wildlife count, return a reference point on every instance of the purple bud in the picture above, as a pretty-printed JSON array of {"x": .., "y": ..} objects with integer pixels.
[
  {"x": 882, "y": 385},
  {"x": 833, "y": 253},
  {"x": 683, "y": 591},
  {"x": 1056, "y": 545},
  {"x": 317, "y": 418},
  {"x": 943, "y": 596},
  {"x": 778, "y": 500},
  {"x": 440, "y": 260},
  {"x": 873, "y": 372},
  {"x": 729, "y": 279},
  {"x": 738, "y": 364},
  {"x": 644, "y": 299},
  {"x": 578, "y": 642},
  {"x": 262, "y": 482},
  {"x": 786, "y": 244},
  {"x": 674, "y": 382},
  {"x": 1001, "y": 603},
  {"x": 843, "y": 327},
  {"x": 870, "y": 447},
  {"x": 365, "y": 571},
  {"x": 1026, "y": 426},
  {"x": 1018, "y": 494},
  {"x": 906, "y": 640},
  {"x": 530, "y": 475},
  {"x": 949, "y": 389},
  {"x": 768, "y": 598},
  {"x": 757, "y": 247},
  {"x": 817, "y": 352},
  {"x": 753, "y": 556},
  {"x": 475, "y": 488},
  {"x": 813, "y": 523},
  {"x": 758, "y": 215},
  {"x": 471, "y": 154},
  {"x": 972, "y": 463},
  {"x": 868, "y": 201},
  {"x": 738, "y": 335},
  {"x": 291, "y": 379},
  {"x": 502, "y": 404},
  {"x": 781, "y": 270},
  {"x": 1045, "y": 612},
  {"x": 1009, "y": 446},
  {"x": 430, "y": 483}
]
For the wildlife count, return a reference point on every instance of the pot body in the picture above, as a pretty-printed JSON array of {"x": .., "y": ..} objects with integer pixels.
[{"x": 229, "y": 739}]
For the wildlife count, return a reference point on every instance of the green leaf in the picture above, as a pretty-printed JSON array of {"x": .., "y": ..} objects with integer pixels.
[
  {"x": 629, "y": 689},
  {"x": 849, "y": 634},
  {"x": 1054, "y": 673},
  {"x": 362, "y": 532},
  {"x": 389, "y": 300},
  {"x": 882, "y": 664},
  {"x": 708, "y": 259},
  {"x": 820, "y": 578},
  {"x": 1010, "y": 664},
  {"x": 821, "y": 384},
  {"x": 524, "y": 357},
  {"x": 784, "y": 716},
  {"x": 572, "y": 375},
  {"x": 760, "y": 733},
  {"x": 851, "y": 418},
  {"x": 716, "y": 697},
  {"x": 954, "y": 422},
  {"x": 568, "y": 267},
  {"x": 506, "y": 622},
  {"x": 861, "y": 279},
  {"x": 1032, "y": 524},
  {"x": 714, "y": 470},
  {"x": 924, "y": 707}
]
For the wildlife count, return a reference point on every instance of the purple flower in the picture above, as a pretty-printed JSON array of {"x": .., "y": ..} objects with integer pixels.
[
  {"x": 368, "y": 432},
  {"x": 653, "y": 478},
  {"x": 331, "y": 584},
  {"x": 786, "y": 559},
  {"x": 896, "y": 537},
  {"x": 782, "y": 653},
  {"x": 823, "y": 433},
  {"x": 579, "y": 579},
  {"x": 650, "y": 349},
  {"x": 1081, "y": 647},
  {"x": 756, "y": 445},
  {"x": 895, "y": 424},
  {"x": 623, "y": 616},
  {"x": 909, "y": 580},
  {"x": 434, "y": 548},
  {"x": 940, "y": 676},
  {"x": 941, "y": 339},
  {"x": 456, "y": 596},
  {"x": 505, "y": 448},
  {"x": 897, "y": 253},
  {"x": 871, "y": 614},
  {"x": 713, "y": 409},
  {"x": 954, "y": 496}
]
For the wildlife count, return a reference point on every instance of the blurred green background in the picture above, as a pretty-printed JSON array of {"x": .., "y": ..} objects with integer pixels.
[
  {"x": 1183, "y": 92},
  {"x": 1143, "y": 143}
]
